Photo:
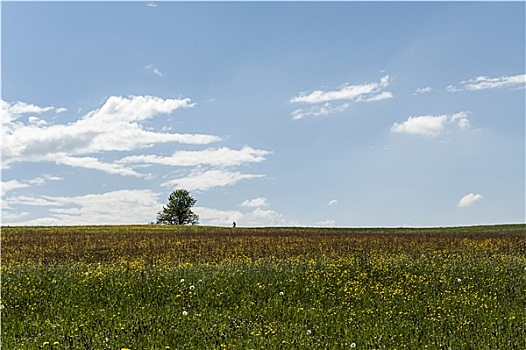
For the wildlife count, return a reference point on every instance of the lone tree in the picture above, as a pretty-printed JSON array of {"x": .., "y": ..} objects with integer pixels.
[{"x": 177, "y": 211}]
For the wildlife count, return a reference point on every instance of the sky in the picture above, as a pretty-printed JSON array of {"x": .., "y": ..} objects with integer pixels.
[{"x": 332, "y": 114}]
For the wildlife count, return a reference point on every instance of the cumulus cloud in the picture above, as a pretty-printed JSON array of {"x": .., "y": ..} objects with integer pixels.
[
  {"x": 468, "y": 200},
  {"x": 254, "y": 218},
  {"x": 115, "y": 126},
  {"x": 485, "y": 83},
  {"x": 430, "y": 125},
  {"x": 206, "y": 180},
  {"x": 256, "y": 202},
  {"x": 367, "y": 92},
  {"x": 115, "y": 207}
]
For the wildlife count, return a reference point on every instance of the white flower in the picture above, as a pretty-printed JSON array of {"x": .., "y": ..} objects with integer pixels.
[
  {"x": 309, "y": 331},
  {"x": 182, "y": 280},
  {"x": 281, "y": 293},
  {"x": 192, "y": 287},
  {"x": 459, "y": 280},
  {"x": 353, "y": 345},
  {"x": 185, "y": 313}
]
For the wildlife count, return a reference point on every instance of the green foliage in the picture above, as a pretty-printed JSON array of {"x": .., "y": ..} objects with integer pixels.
[{"x": 177, "y": 211}]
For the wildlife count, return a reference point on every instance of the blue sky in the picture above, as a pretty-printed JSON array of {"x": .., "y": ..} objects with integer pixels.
[{"x": 269, "y": 113}]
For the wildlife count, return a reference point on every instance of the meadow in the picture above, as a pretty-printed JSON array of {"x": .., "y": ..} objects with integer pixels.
[{"x": 197, "y": 287}]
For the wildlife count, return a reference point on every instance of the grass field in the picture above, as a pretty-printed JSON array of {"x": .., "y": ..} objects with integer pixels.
[{"x": 163, "y": 287}]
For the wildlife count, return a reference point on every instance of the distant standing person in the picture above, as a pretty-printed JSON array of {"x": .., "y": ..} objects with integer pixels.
[{"x": 234, "y": 224}]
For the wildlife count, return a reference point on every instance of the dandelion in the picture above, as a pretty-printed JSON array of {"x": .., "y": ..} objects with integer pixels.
[
  {"x": 185, "y": 313},
  {"x": 56, "y": 343}
]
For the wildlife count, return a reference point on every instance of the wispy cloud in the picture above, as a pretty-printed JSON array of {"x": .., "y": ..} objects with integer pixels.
[
  {"x": 332, "y": 202},
  {"x": 206, "y": 180},
  {"x": 424, "y": 90},
  {"x": 468, "y": 200},
  {"x": 429, "y": 125},
  {"x": 154, "y": 70},
  {"x": 222, "y": 156},
  {"x": 12, "y": 185},
  {"x": 327, "y": 222},
  {"x": 485, "y": 83},
  {"x": 367, "y": 92}
]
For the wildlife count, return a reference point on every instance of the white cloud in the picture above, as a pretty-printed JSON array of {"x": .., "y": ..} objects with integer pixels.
[
  {"x": 94, "y": 163},
  {"x": 368, "y": 92},
  {"x": 115, "y": 126},
  {"x": 317, "y": 111},
  {"x": 347, "y": 92},
  {"x": 332, "y": 202},
  {"x": 212, "y": 156},
  {"x": 468, "y": 200},
  {"x": 430, "y": 125},
  {"x": 116, "y": 207},
  {"x": 12, "y": 185},
  {"x": 153, "y": 69},
  {"x": 254, "y": 218},
  {"x": 485, "y": 83},
  {"x": 424, "y": 90},
  {"x": 256, "y": 202},
  {"x": 206, "y": 180},
  {"x": 327, "y": 222},
  {"x": 216, "y": 217}
]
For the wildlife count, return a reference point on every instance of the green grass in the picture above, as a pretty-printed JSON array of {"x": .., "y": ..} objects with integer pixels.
[{"x": 287, "y": 288}]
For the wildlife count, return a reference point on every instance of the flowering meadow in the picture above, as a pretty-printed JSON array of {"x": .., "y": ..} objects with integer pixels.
[{"x": 197, "y": 287}]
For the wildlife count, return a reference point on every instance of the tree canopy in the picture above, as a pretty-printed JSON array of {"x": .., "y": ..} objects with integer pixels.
[{"x": 178, "y": 210}]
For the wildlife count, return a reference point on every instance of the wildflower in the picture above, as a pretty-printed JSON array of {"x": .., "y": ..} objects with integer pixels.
[
  {"x": 353, "y": 345},
  {"x": 459, "y": 280},
  {"x": 185, "y": 313},
  {"x": 309, "y": 332},
  {"x": 192, "y": 287},
  {"x": 45, "y": 343},
  {"x": 182, "y": 280},
  {"x": 56, "y": 343},
  {"x": 281, "y": 293}
]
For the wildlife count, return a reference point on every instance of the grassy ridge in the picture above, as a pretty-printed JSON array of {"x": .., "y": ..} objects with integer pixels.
[{"x": 159, "y": 287}]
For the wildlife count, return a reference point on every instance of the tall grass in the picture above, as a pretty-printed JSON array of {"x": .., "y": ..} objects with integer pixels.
[{"x": 158, "y": 287}]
